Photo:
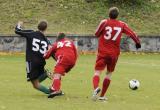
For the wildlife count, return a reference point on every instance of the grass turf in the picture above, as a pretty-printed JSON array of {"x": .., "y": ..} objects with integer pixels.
[
  {"x": 78, "y": 16},
  {"x": 17, "y": 94}
]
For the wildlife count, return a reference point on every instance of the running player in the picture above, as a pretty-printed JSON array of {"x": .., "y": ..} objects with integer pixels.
[{"x": 109, "y": 34}]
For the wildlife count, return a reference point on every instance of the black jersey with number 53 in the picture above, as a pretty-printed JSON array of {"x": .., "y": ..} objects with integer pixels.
[{"x": 36, "y": 44}]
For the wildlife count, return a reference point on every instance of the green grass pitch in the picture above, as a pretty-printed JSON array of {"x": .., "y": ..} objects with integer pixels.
[{"x": 17, "y": 94}]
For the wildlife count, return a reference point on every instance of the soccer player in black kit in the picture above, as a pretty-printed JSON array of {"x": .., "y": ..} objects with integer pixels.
[{"x": 36, "y": 46}]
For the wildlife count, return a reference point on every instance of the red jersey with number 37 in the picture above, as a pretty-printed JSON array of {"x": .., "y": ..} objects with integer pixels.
[
  {"x": 109, "y": 33},
  {"x": 64, "y": 47}
]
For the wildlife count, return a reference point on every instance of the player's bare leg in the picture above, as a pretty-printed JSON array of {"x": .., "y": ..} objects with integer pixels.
[
  {"x": 46, "y": 74},
  {"x": 106, "y": 83},
  {"x": 96, "y": 79},
  {"x": 56, "y": 85},
  {"x": 36, "y": 84},
  {"x": 49, "y": 74}
]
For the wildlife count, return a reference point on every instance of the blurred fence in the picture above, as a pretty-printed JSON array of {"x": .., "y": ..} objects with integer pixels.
[{"x": 87, "y": 43}]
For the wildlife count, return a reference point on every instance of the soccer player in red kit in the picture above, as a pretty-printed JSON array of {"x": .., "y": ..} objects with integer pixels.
[
  {"x": 65, "y": 54},
  {"x": 109, "y": 34}
]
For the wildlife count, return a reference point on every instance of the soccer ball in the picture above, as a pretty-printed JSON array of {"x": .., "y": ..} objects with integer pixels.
[{"x": 134, "y": 84}]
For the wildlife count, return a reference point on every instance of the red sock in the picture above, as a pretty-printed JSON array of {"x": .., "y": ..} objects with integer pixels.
[
  {"x": 106, "y": 83},
  {"x": 56, "y": 84},
  {"x": 95, "y": 81}
]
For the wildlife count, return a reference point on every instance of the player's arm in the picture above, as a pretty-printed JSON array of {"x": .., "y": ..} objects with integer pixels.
[
  {"x": 75, "y": 51},
  {"x": 20, "y": 31},
  {"x": 49, "y": 46},
  {"x": 50, "y": 52},
  {"x": 100, "y": 28},
  {"x": 132, "y": 35}
]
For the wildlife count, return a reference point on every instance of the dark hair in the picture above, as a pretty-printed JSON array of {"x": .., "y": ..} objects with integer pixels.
[
  {"x": 61, "y": 36},
  {"x": 113, "y": 12},
  {"x": 42, "y": 26}
]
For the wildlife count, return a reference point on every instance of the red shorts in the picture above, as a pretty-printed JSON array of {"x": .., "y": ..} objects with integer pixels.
[
  {"x": 63, "y": 65},
  {"x": 108, "y": 60}
]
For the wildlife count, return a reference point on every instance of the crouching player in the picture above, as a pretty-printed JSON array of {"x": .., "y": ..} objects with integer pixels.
[{"x": 66, "y": 55}]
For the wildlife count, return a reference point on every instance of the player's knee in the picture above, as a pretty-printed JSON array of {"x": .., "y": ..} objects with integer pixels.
[
  {"x": 97, "y": 72},
  {"x": 57, "y": 76},
  {"x": 35, "y": 85},
  {"x": 108, "y": 75}
]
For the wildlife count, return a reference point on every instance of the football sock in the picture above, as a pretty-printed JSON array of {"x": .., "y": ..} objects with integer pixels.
[
  {"x": 56, "y": 84},
  {"x": 95, "y": 81},
  {"x": 43, "y": 89},
  {"x": 42, "y": 77},
  {"x": 106, "y": 83}
]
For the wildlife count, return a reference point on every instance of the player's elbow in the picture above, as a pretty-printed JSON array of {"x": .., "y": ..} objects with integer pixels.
[{"x": 96, "y": 34}]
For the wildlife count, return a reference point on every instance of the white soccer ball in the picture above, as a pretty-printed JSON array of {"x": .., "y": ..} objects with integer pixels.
[{"x": 134, "y": 84}]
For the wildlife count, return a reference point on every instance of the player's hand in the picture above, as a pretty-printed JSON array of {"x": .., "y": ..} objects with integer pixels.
[
  {"x": 138, "y": 45},
  {"x": 49, "y": 47},
  {"x": 19, "y": 24},
  {"x": 45, "y": 54}
]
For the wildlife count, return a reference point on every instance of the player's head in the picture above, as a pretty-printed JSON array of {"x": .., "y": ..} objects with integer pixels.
[
  {"x": 42, "y": 26},
  {"x": 113, "y": 12},
  {"x": 61, "y": 36}
]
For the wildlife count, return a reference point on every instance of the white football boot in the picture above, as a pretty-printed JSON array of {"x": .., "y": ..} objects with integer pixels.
[
  {"x": 95, "y": 94},
  {"x": 102, "y": 98}
]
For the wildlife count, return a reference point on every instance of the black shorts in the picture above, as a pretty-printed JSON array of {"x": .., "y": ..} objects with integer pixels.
[{"x": 34, "y": 70}]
